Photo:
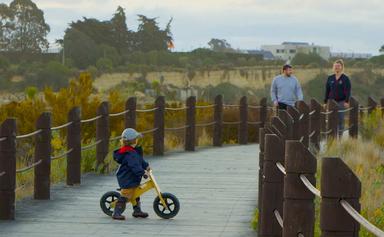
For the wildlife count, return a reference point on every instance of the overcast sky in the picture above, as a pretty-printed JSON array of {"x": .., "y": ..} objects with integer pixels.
[{"x": 344, "y": 25}]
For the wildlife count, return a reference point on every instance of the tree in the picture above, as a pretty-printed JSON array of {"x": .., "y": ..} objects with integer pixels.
[
  {"x": 220, "y": 45},
  {"x": 80, "y": 48},
  {"x": 150, "y": 36},
  {"x": 30, "y": 30},
  {"x": 120, "y": 31},
  {"x": 381, "y": 50}
]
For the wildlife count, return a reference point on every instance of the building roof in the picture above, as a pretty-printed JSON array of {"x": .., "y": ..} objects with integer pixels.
[{"x": 295, "y": 43}]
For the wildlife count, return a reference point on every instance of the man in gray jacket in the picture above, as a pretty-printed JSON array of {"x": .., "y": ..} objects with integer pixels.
[{"x": 286, "y": 89}]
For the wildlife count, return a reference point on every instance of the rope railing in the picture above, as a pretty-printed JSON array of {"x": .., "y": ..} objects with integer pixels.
[
  {"x": 309, "y": 185},
  {"x": 312, "y": 134},
  {"x": 359, "y": 218},
  {"x": 149, "y": 131},
  {"x": 91, "y": 119},
  {"x": 205, "y": 106},
  {"x": 254, "y": 123},
  {"x": 301, "y": 117},
  {"x": 2, "y": 173},
  {"x": 20, "y": 188},
  {"x": 176, "y": 128},
  {"x": 281, "y": 168},
  {"x": 61, "y": 155},
  {"x": 91, "y": 145},
  {"x": 205, "y": 124},
  {"x": 62, "y": 126},
  {"x": 146, "y": 110},
  {"x": 345, "y": 110},
  {"x": 312, "y": 112},
  {"x": 29, "y": 134},
  {"x": 255, "y": 106},
  {"x": 365, "y": 108},
  {"x": 327, "y": 132},
  {"x": 115, "y": 138},
  {"x": 279, "y": 218},
  {"x": 29, "y": 167},
  {"x": 230, "y": 106},
  {"x": 347, "y": 129},
  {"x": 176, "y": 109},
  {"x": 119, "y": 114},
  {"x": 327, "y": 112},
  {"x": 301, "y": 139},
  {"x": 231, "y": 123},
  {"x": 3, "y": 139}
]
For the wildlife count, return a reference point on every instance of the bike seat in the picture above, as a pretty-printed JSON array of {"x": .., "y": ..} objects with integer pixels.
[{"x": 118, "y": 189}]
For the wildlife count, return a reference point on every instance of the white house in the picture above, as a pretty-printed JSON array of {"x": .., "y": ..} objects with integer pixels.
[{"x": 287, "y": 50}]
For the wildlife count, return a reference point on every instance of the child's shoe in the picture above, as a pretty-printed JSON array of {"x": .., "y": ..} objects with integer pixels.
[
  {"x": 137, "y": 212},
  {"x": 119, "y": 209}
]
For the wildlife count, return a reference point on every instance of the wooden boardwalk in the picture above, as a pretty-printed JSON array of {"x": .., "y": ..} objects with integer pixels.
[{"x": 217, "y": 189}]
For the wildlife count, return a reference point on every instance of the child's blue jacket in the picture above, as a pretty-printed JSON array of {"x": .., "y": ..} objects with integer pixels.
[{"x": 132, "y": 166}]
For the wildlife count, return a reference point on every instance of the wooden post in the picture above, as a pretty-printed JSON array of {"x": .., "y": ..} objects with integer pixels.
[
  {"x": 272, "y": 187},
  {"x": 102, "y": 134},
  {"x": 304, "y": 122},
  {"x": 261, "y": 161},
  {"x": 354, "y": 117},
  {"x": 74, "y": 144},
  {"x": 295, "y": 114},
  {"x": 218, "y": 118},
  {"x": 372, "y": 104},
  {"x": 158, "y": 135},
  {"x": 382, "y": 105},
  {"x": 263, "y": 112},
  {"x": 243, "y": 115},
  {"x": 287, "y": 119},
  {"x": 130, "y": 116},
  {"x": 42, "y": 185},
  {"x": 333, "y": 118},
  {"x": 8, "y": 165},
  {"x": 299, "y": 206},
  {"x": 279, "y": 128},
  {"x": 338, "y": 182},
  {"x": 314, "y": 123},
  {"x": 190, "y": 131}
]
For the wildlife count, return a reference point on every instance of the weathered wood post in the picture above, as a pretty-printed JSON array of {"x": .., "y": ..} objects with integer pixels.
[
  {"x": 287, "y": 119},
  {"x": 263, "y": 112},
  {"x": 261, "y": 161},
  {"x": 338, "y": 183},
  {"x": 299, "y": 206},
  {"x": 102, "y": 134},
  {"x": 272, "y": 187},
  {"x": 7, "y": 169},
  {"x": 190, "y": 131},
  {"x": 243, "y": 115},
  {"x": 158, "y": 134},
  {"x": 295, "y": 114},
  {"x": 354, "y": 117},
  {"x": 218, "y": 118},
  {"x": 303, "y": 122},
  {"x": 74, "y": 144},
  {"x": 130, "y": 116},
  {"x": 333, "y": 118},
  {"x": 314, "y": 123},
  {"x": 42, "y": 187},
  {"x": 372, "y": 105}
]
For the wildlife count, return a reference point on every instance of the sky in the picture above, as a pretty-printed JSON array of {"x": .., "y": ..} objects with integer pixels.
[{"x": 344, "y": 25}]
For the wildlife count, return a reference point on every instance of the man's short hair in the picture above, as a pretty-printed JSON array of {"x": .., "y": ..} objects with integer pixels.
[{"x": 286, "y": 66}]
